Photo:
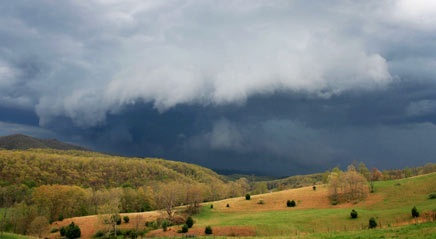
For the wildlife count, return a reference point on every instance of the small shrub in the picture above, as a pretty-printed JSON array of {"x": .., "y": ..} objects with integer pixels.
[
  {"x": 189, "y": 222},
  {"x": 72, "y": 231},
  {"x": 62, "y": 231},
  {"x": 314, "y": 188},
  {"x": 53, "y": 230},
  {"x": 185, "y": 229},
  {"x": 247, "y": 196},
  {"x": 133, "y": 234},
  {"x": 334, "y": 203},
  {"x": 98, "y": 234},
  {"x": 61, "y": 218},
  {"x": 118, "y": 220},
  {"x": 291, "y": 203},
  {"x": 228, "y": 205},
  {"x": 288, "y": 203},
  {"x": 353, "y": 214},
  {"x": 208, "y": 230},
  {"x": 372, "y": 223},
  {"x": 260, "y": 201},
  {"x": 432, "y": 196},
  {"x": 211, "y": 206},
  {"x": 415, "y": 212},
  {"x": 126, "y": 219},
  {"x": 164, "y": 227}
]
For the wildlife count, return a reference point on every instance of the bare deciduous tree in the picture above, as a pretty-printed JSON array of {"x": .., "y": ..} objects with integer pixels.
[
  {"x": 169, "y": 196},
  {"x": 194, "y": 196},
  {"x": 348, "y": 186},
  {"x": 109, "y": 212},
  {"x": 39, "y": 226}
]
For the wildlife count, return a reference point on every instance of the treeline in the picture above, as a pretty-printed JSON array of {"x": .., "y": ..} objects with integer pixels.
[
  {"x": 21, "y": 204},
  {"x": 371, "y": 175},
  {"x": 376, "y": 175},
  {"x": 295, "y": 181}
]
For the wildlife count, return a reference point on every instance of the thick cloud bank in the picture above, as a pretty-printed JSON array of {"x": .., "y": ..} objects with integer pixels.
[
  {"x": 83, "y": 59},
  {"x": 278, "y": 86}
]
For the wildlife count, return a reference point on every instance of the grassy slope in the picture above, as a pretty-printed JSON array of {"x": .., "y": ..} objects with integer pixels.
[
  {"x": 15, "y": 236},
  {"x": 391, "y": 204},
  {"x": 314, "y": 217}
]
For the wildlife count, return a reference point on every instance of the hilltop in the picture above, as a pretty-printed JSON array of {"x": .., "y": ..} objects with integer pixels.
[{"x": 20, "y": 141}]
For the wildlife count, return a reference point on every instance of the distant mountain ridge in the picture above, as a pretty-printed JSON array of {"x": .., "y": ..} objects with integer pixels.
[{"x": 21, "y": 142}]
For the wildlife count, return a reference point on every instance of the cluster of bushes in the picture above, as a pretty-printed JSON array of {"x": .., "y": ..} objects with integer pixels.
[
  {"x": 159, "y": 223},
  {"x": 291, "y": 203},
  {"x": 188, "y": 224},
  {"x": 129, "y": 233},
  {"x": 71, "y": 231}
]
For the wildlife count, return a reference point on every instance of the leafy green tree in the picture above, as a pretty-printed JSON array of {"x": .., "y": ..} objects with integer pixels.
[{"x": 126, "y": 219}]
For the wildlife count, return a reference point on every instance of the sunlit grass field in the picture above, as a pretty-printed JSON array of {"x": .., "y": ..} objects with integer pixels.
[{"x": 392, "y": 209}]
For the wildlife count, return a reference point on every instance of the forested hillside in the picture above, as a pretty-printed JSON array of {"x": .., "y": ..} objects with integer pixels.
[
  {"x": 19, "y": 141},
  {"x": 89, "y": 169},
  {"x": 57, "y": 184}
]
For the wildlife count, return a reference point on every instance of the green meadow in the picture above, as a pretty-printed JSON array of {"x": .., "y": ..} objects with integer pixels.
[{"x": 392, "y": 211}]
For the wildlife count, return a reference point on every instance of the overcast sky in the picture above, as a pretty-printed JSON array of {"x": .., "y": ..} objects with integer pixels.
[{"x": 272, "y": 87}]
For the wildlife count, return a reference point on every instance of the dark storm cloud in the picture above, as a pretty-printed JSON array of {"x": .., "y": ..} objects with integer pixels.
[{"x": 281, "y": 87}]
